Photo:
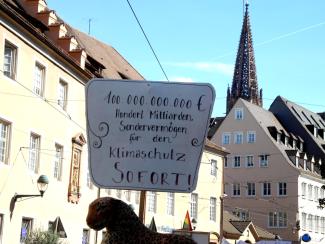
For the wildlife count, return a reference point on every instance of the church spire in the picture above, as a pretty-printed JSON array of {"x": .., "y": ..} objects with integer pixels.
[{"x": 244, "y": 83}]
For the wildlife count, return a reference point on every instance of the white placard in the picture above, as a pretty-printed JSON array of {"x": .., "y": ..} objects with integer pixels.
[{"x": 147, "y": 135}]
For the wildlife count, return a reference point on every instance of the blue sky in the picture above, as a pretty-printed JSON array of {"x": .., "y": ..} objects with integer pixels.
[{"x": 198, "y": 40}]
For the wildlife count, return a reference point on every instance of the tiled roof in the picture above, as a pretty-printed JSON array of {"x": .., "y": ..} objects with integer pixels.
[
  {"x": 240, "y": 225},
  {"x": 214, "y": 147},
  {"x": 114, "y": 63},
  {"x": 233, "y": 225},
  {"x": 305, "y": 116}
]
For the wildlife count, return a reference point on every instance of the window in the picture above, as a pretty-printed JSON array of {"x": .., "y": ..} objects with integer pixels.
[
  {"x": 278, "y": 220},
  {"x": 273, "y": 219},
  {"x": 170, "y": 203},
  {"x": 264, "y": 160},
  {"x": 225, "y": 162},
  {"x": 321, "y": 192},
  {"x": 251, "y": 189},
  {"x": 108, "y": 191},
  {"x": 213, "y": 204},
  {"x": 282, "y": 219},
  {"x": 26, "y": 227},
  {"x": 226, "y": 138},
  {"x": 127, "y": 194},
  {"x": 89, "y": 182},
  {"x": 317, "y": 218},
  {"x": 322, "y": 225},
  {"x": 310, "y": 222},
  {"x": 266, "y": 186},
  {"x": 236, "y": 161},
  {"x": 249, "y": 161},
  {"x": 242, "y": 214},
  {"x": 63, "y": 94},
  {"x": 118, "y": 193},
  {"x": 303, "y": 221},
  {"x": 39, "y": 78},
  {"x": 10, "y": 59},
  {"x": 278, "y": 137},
  {"x": 316, "y": 191},
  {"x": 225, "y": 188},
  {"x": 85, "y": 236},
  {"x": 58, "y": 161},
  {"x": 194, "y": 205},
  {"x": 310, "y": 192},
  {"x": 303, "y": 189},
  {"x": 236, "y": 189},
  {"x": 239, "y": 113},
  {"x": 4, "y": 141},
  {"x": 1, "y": 227},
  {"x": 34, "y": 151},
  {"x": 238, "y": 137},
  {"x": 251, "y": 136},
  {"x": 137, "y": 197},
  {"x": 282, "y": 189},
  {"x": 152, "y": 201},
  {"x": 213, "y": 169}
]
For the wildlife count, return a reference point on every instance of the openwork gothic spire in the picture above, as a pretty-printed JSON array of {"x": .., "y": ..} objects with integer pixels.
[{"x": 244, "y": 84}]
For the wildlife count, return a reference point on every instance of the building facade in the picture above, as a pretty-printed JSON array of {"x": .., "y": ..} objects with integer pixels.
[
  {"x": 269, "y": 177},
  {"x": 203, "y": 204},
  {"x": 45, "y": 64},
  {"x": 44, "y": 69}
]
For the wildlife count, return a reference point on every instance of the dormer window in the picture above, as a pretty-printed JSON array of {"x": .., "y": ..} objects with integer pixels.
[
  {"x": 286, "y": 141},
  {"x": 239, "y": 113},
  {"x": 297, "y": 160},
  {"x": 312, "y": 129},
  {"x": 294, "y": 143},
  {"x": 305, "y": 162},
  {"x": 321, "y": 133},
  {"x": 278, "y": 137}
]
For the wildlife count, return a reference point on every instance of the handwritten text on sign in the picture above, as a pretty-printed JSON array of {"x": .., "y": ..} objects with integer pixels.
[{"x": 146, "y": 135}]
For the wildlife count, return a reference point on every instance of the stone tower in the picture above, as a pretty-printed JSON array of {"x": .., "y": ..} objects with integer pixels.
[{"x": 244, "y": 83}]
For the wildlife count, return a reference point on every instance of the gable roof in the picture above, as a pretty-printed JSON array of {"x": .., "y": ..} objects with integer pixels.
[
  {"x": 304, "y": 116},
  {"x": 36, "y": 28},
  {"x": 233, "y": 226},
  {"x": 212, "y": 147},
  {"x": 115, "y": 66},
  {"x": 89, "y": 55}
]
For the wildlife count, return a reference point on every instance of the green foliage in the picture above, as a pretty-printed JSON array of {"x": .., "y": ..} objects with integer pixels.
[{"x": 42, "y": 237}]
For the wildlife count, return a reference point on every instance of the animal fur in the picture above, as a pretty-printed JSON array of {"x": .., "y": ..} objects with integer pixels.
[{"x": 123, "y": 225}]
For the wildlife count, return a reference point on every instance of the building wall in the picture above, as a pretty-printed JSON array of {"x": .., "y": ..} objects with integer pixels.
[
  {"x": 278, "y": 170},
  {"x": 208, "y": 186},
  {"x": 28, "y": 113},
  {"x": 308, "y": 206}
]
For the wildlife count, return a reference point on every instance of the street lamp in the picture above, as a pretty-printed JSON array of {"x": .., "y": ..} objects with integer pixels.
[
  {"x": 194, "y": 222},
  {"x": 42, "y": 184}
]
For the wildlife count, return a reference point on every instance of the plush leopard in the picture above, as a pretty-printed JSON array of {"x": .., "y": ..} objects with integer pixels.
[{"x": 123, "y": 225}]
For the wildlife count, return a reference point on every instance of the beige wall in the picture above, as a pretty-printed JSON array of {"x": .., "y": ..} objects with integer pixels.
[
  {"x": 27, "y": 112},
  {"x": 208, "y": 186},
  {"x": 279, "y": 170}
]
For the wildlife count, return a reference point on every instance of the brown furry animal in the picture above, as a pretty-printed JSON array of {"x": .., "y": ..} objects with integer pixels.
[{"x": 123, "y": 225}]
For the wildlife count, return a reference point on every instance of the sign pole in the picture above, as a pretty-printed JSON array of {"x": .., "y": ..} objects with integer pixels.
[{"x": 142, "y": 207}]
